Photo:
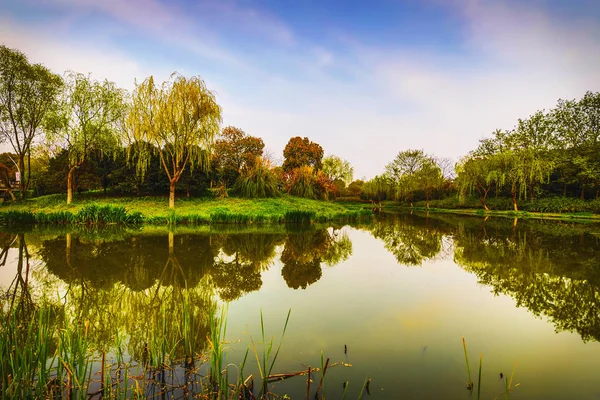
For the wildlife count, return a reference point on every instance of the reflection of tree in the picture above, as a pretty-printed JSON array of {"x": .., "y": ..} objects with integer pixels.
[
  {"x": 18, "y": 291},
  {"x": 304, "y": 251},
  {"x": 552, "y": 269},
  {"x": 411, "y": 239},
  {"x": 245, "y": 256},
  {"x": 127, "y": 283}
]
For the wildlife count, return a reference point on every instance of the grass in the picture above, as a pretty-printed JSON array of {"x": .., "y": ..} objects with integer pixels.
[
  {"x": 550, "y": 208},
  {"x": 470, "y": 384},
  {"x": 90, "y": 209}
]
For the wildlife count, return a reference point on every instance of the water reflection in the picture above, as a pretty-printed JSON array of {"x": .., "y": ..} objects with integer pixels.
[
  {"x": 158, "y": 284},
  {"x": 551, "y": 269},
  {"x": 412, "y": 239},
  {"x": 305, "y": 251}
]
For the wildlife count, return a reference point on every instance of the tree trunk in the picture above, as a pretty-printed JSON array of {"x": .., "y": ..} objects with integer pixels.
[
  {"x": 172, "y": 193},
  {"x": 565, "y": 189},
  {"x": 514, "y": 200},
  {"x": 485, "y": 207},
  {"x": 70, "y": 185},
  {"x": 582, "y": 194},
  {"x": 22, "y": 186},
  {"x": 171, "y": 244},
  {"x": 483, "y": 197}
]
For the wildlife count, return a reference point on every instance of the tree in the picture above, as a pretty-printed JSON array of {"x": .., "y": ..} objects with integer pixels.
[
  {"x": 300, "y": 152},
  {"x": 235, "y": 150},
  {"x": 401, "y": 172},
  {"x": 86, "y": 120},
  {"x": 475, "y": 173},
  {"x": 428, "y": 178},
  {"x": 181, "y": 118},
  {"x": 520, "y": 170},
  {"x": 27, "y": 93},
  {"x": 336, "y": 168}
]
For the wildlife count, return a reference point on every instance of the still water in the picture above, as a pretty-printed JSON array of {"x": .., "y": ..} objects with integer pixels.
[{"x": 387, "y": 300}]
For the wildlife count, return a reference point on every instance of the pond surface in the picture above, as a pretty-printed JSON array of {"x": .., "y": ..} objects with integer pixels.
[{"x": 387, "y": 300}]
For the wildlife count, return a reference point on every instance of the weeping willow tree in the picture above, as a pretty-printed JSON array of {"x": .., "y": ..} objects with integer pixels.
[
  {"x": 180, "y": 119},
  {"x": 85, "y": 120}
]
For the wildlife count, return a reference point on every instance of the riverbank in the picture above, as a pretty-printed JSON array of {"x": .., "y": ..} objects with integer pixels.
[
  {"x": 94, "y": 208},
  {"x": 583, "y": 217}
]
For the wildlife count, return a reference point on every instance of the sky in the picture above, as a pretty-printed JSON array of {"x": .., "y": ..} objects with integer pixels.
[{"x": 364, "y": 79}]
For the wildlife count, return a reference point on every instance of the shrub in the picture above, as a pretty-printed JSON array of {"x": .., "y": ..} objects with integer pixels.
[{"x": 257, "y": 181}]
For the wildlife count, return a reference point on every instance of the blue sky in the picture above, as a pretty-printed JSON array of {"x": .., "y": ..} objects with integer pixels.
[{"x": 365, "y": 79}]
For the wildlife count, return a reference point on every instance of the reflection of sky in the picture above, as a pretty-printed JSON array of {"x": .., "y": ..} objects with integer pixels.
[
  {"x": 9, "y": 270},
  {"x": 387, "y": 313}
]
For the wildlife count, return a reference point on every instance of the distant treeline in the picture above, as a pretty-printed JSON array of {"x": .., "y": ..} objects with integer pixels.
[{"x": 74, "y": 133}]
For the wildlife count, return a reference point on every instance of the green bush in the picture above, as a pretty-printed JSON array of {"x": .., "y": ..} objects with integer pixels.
[{"x": 259, "y": 181}]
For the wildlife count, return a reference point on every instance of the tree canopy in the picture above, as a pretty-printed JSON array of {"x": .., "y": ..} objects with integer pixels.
[
  {"x": 27, "y": 93},
  {"x": 302, "y": 152},
  {"x": 181, "y": 118},
  {"x": 85, "y": 120}
]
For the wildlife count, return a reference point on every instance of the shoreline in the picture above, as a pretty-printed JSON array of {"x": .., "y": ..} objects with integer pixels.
[{"x": 575, "y": 217}]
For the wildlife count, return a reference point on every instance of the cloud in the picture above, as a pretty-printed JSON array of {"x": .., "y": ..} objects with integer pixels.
[
  {"x": 67, "y": 53},
  {"x": 361, "y": 102}
]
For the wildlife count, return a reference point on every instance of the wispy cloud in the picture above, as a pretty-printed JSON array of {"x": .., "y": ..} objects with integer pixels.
[{"x": 363, "y": 102}]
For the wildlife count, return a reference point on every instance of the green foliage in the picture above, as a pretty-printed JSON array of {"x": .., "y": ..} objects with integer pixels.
[
  {"x": 90, "y": 214},
  {"x": 309, "y": 183},
  {"x": 86, "y": 120},
  {"x": 181, "y": 119},
  {"x": 27, "y": 93},
  {"x": 257, "y": 181},
  {"x": 335, "y": 168},
  {"x": 235, "y": 151},
  {"x": 299, "y": 216}
]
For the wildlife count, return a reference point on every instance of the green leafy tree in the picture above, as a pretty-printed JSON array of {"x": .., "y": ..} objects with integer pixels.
[
  {"x": 475, "y": 174},
  {"x": 519, "y": 170},
  {"x": 235, "y": 150},
  {"x": 300, "y": 152},
  {"x": 181, "y": 119},
  {"x": 27, "y": 93},
  {"x": 428, "y": 178},
  {"x": 402, "y": 171},
  {"x": 337, "y": 169},
  {"x": 86, "y": 119}
]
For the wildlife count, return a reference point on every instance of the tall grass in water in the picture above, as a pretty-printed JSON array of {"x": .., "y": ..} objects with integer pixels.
[
  {"x": 267, "y": 360},
  {"x": 470, "y": 384},
  {"x": 25, "y": 349},
  {"x": 75, "y": 359},
  {"x": 217, "y": 380}
]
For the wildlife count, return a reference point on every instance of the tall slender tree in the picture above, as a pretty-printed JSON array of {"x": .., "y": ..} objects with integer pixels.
[
  {"x": 27, "y": 93},
  {"x": 85, "y": 120}
]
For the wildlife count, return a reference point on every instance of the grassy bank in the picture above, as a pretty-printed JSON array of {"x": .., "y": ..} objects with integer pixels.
[
  {"x": 93, "y": 209},
  {"x": 511, "y": 214}
]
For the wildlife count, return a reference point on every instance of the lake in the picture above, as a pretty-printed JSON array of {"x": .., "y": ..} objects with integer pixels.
[{"x": 387, "y": 300}]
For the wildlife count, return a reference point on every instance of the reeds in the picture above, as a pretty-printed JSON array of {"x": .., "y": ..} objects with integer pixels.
[
  {"x": 90, "y": 214},
  {"x": 267, "y": 360},
  {"x": 299, "y": 217},
  {"x": 470, "y": 384}
]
